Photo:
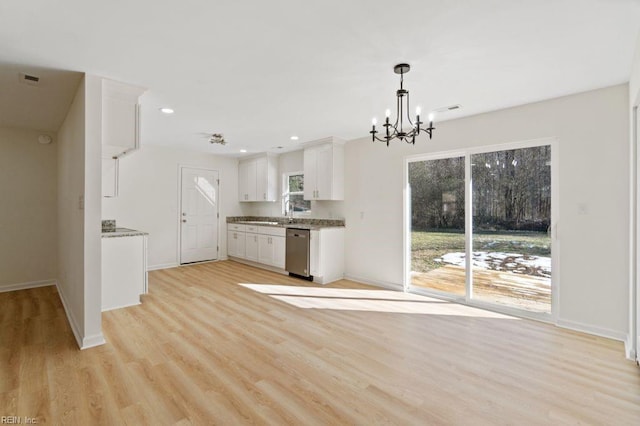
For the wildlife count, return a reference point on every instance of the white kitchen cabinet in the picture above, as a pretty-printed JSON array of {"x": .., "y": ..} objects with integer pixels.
[
  {"x": 109, "y": 177},
  {"x": 265, "y": 249},
  {"x": 327, "y": 255},
  {"x": 279, "y": 251},
  {"x": 271, "y": 250},
  {"x": 271, "y": 246},
  {"x": 236, "y": 243},
  {"x": 324, "y": 171},
  {"x": 257, "y": 179},
  {"x": 120, "y": 118},
  {"x": 251, "y": 246},
  {"x": 124, "y": 271}
]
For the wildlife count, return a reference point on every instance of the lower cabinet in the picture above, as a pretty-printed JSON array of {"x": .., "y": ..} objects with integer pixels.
[
  {"x": 124, "y": 271},
  {"x": 265, "y": 250},
  {"x": 264, "y": 244},
  {"x": 251, "y": 247},
  {"x": 326, "y": 257},
  {"x": 271, "y": 250},
  {"x": 236, "y": 243},
  {"x": 279, "y": 251}
]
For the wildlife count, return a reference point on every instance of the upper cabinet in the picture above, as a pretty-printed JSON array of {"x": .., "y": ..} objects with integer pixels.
[
  {"x": 120, "y": 118},
  {"x": 257, "y": 178},
  {"x": 324, "y": 170}
]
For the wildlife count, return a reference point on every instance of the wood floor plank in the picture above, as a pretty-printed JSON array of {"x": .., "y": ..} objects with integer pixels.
[{"x": 226, "y": 343}]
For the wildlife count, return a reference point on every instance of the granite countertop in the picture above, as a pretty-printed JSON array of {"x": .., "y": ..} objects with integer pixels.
[
  {"x": 283, "y": 222},
  {"x": 122, "y": 232}
]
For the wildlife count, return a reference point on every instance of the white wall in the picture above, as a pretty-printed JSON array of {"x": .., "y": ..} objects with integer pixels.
[
  {"x": 93, "y": 212},
  {"x": 70, "y": 216},
  {"x": 79, "y": 247},
  {"x": 293, "y": 162},
  {"x": 593, "y": 133},
  {"x": 28, "y": 212},
  {"x": 148, "y": 197},
  {"x": 633, "y": 342}
]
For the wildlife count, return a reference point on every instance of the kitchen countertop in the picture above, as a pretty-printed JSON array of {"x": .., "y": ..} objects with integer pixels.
[
  {"x": 289, "y": 225},
  {"x": 122, "y": 232},
  {"x": 282, "y": 222}
]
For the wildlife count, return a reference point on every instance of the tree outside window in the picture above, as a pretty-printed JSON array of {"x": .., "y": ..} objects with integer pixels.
[{"x": 293, "y": 194}]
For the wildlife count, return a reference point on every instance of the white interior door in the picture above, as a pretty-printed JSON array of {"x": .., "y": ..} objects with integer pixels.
[{"x": 198, "y": 215}]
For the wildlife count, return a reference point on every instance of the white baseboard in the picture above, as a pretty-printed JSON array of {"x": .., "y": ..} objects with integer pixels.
[
  {"x": 84, "y": 342},
  {"x": 162, "y": 266},
  {"x": 258, "y": 265},
  {"x": 92, "y": 341},
  {"x": 384, "y": 284},
  {"x": 592, "y": 329},
  {"x": 120, "y": 307},
  {"x": 70, "y": 318},
  {"x": 629, "y": 350},
  {"x": 27, "y": 285}
]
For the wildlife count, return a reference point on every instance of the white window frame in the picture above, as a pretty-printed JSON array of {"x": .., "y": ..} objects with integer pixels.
[{"x": 286, "y": 193}]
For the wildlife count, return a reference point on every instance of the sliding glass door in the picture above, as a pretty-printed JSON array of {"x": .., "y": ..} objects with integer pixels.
[
  {"x": 511, "y": 228},
  {"x": 437, "y": 224},
  {"x": 502, "y": 257}
]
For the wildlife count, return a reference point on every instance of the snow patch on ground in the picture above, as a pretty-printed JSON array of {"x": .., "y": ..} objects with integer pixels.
[{"x": 517, "y": 263}]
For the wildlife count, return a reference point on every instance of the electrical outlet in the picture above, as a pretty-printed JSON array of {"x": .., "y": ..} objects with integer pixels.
[{"x": 81, "y": 202}]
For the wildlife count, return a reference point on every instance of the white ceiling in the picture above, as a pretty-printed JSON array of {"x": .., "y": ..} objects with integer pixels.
[{"x": 261, "y": 71}]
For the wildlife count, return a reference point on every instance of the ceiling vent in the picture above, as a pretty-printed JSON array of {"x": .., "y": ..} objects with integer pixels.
[
  {"x": 29, "y": 79},
  {"x": 448, "y": 108}
]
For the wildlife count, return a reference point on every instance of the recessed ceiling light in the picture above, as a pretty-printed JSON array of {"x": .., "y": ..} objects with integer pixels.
[
  {"x": 294, "y": 138},
  {"x": 243, "y": 150},
  {"x": 166, "y": 110}
]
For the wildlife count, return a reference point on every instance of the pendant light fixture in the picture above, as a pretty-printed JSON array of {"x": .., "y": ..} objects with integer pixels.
[{"x": 397, "y": 130}]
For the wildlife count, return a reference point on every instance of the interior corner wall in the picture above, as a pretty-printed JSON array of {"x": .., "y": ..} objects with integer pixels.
[
  {"x": 633, "y": 343},
  {"x": 148, "y": 197},
  {"x": 28, "y": 217},
  {"x": 593, "y": 133},
  {"x": 93, "y": 212},
  {"x": 71, "y": 164}
]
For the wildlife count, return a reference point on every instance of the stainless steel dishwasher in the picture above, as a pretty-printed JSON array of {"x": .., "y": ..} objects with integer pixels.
[{"x": 297, "y": 248}]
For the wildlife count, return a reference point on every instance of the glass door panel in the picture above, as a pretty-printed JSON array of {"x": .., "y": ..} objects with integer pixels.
[
  {"x": 438, "y": 225},
  {"x": 511, "y": 243}
]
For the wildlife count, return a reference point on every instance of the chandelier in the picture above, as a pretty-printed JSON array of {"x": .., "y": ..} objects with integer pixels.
[{"x": 396, "y": 130}]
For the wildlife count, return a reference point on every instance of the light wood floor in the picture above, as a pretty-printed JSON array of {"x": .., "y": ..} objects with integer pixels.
[{"x": 204, "y": 349}]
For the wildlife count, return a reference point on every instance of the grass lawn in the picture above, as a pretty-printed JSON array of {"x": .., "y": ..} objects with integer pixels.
[{"x": 426, "y": 246}]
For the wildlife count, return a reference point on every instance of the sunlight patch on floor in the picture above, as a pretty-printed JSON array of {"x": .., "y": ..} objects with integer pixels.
[{"x": 367, "y": 300}]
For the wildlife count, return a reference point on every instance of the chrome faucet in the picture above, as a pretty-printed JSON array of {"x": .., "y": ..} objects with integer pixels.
[{"x": 288, "y": 203}]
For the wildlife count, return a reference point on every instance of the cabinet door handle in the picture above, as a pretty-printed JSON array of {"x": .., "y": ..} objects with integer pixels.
[{"x": 264, "y": 196}]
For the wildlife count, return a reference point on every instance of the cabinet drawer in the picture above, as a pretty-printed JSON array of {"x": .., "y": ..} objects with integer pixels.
[
  {"x": 236, "y": 227},
  {"x": 251, "y": 228},
  {"x": 272, "y": 230}
]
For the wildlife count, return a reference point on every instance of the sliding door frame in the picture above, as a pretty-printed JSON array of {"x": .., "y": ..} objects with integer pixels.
[{"x": 555, "y": 240}]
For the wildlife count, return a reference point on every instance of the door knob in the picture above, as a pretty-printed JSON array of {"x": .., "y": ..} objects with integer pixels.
[
  {"x": 184, "y": 220},
  {"x": 184, "y": 214}
]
